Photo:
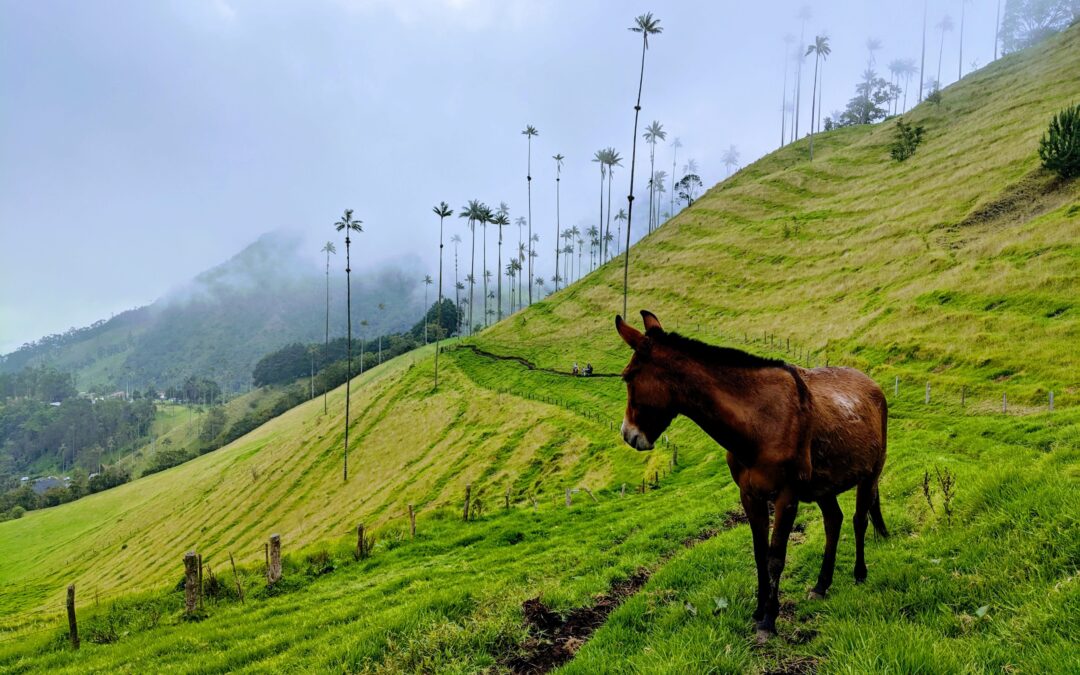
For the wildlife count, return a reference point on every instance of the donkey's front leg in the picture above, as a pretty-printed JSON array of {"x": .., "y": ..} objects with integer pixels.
[
  {"x": 786, "y": 508},
  {"x": 757, "y": 513}
]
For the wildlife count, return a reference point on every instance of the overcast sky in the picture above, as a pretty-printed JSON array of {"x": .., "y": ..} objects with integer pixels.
[{"x": 142, "y": 142}]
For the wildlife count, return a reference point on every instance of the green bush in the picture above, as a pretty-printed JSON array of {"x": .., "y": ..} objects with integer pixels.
[
  {"x": 906, "y": 140},
  {"x": 1059, "y": 147}
]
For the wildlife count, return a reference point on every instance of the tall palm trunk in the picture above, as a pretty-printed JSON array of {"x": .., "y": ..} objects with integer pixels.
[
  {"x": 922, "y": 59},
  {"x": 941, "y": 53},
  {"x": 558, "y": 224},
  {"x": 633, "y": 163},
  {"x": 798, "y": 81},
  {"x": 438, "y": 311},
  {"x": 348, "y": 348},
  {"x": 610, "y": 175},
  {"x": 483, "y": 265},
  {"x": 472, "y": 274},
  {"x": 813, "y": 101},
  {"x": 498, "y": 273},
  {"x": 674, "y": 154},
  {"x": 652, "y": 184},
  {"x": 601, "y": 223},
  {"x": 783, "y": 104},
  {"x": 326, "y": 343},
  {"x": 529, "y": 181},
  {"x": 960, "y": 61}
]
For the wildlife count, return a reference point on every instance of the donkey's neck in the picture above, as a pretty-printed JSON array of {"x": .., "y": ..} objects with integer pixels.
[{"x": 722, "y": 407}]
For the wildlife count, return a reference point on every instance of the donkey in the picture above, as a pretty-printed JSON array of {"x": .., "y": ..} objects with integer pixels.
[{"x": 791, "y": 434}]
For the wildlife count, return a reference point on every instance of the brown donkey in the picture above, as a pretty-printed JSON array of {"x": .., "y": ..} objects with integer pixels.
[{"x": 791, "y": 434}]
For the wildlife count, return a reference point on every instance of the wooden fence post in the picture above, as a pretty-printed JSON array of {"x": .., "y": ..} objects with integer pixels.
[
  {"x": 622, "y": 493},
  {"x": 200, "y": 582},
  {"x": 657, "y": 479},
  {"x": 675, "y": 455},
  {"x": 1004, "y": 403},
  {"x": 191, "y": 578},
  {"x": 73, "y": 627},
  {"x": 506, "y": 499},
  {"x": 591, "y": 495},
  {"x": 1051, "y": 400},
  {"x": 412, "y": 522},
  {"x": 274, "y": 574},
  {"x": 239, "y": 588},
  {"x": 896, "y": 386},
  {"x": 642, "y": 486},
  {"x": 927, "y": 399},
  {"x": 568, "y": 499},
  {"x": 468, "y": 491}
]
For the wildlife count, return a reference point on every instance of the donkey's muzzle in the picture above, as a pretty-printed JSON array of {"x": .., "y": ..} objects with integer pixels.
[{"x": 634, "y": 438}]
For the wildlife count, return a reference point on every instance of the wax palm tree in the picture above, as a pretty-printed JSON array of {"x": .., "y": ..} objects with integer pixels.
[
  {"x": 896, "y": 69},
  {"x": 568, "y": 251},
  {"x": 646, "y": 25},
  {"x": 820, "y": 49},
  {"x": 529, "y": 132},
  {"x": 558, "y": 224},
  {"x": 539, "y": 282},
  {"x": 484, "y": 217},
  {"x": 455, "y": 240},
  {"x": 363, "y": 330},
  {"x": 803, "y": 16},
  {"x": 458, "y": 300},
  {"x": 922, "y": 59},
  {"x": 510, "y": 274},
  {"x": 960, "y": 60},
  {"x": 348, "y": 225},
  {"x": 944, "y": 26},
  {"x": 731, "y": 158},
  {"x": 500, "y": 220},
  {"x": 600, "y": 157},
  {"x": 675, "y": 145},
  {"x": 594, "y": 240},
  {"x": 908, "y": 72},
  {"x": 613, "y": 160},
  {"x": 620, "y": 218},
  {"x": 327, "y": 248},
  {"x": 653, "y": 133},
  {"x": 427, "y": 282},
  {"x": 658, "y": 186},
  {"x": 521, "y": 223},
  {"x": 443, "y": 211},
  {"x": 788, "y": 40},
  {"x": 471, "y": 212},
  {"x": 521, "y": 271}
]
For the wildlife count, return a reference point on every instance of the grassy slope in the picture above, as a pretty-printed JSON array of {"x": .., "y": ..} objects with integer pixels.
[{"x": 880, "y": 272}]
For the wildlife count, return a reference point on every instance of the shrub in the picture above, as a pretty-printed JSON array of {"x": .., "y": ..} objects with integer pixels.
[
  {"x": 1059, "y": 147},
  {"x": 934, "y": 96},
  {"x": 906, "y": 140}
]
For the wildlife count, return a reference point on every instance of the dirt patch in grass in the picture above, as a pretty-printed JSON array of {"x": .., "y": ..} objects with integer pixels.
[
  {"x": 1033, "y": 195},
  {"x": 554, "y": 639}
]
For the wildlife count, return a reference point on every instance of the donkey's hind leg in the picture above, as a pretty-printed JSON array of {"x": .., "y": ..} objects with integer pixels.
[
  {"x": 865, "y": 495},
  {"x": 834, "y": 518}
]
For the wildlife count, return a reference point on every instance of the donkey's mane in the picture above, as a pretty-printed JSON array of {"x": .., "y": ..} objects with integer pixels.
[{"x": 713, "y": 355}]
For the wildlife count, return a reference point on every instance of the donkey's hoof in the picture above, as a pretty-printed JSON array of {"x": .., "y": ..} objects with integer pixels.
[
  {"x": 815, "y": 594},
  {"x": 764, "y": 635}
]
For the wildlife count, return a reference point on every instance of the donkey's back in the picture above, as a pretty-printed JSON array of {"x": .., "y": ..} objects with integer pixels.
[{"x": 849, "y": 429}]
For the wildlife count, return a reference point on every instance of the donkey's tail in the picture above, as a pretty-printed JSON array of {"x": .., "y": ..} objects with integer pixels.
[{"x": 875, "y": 515}]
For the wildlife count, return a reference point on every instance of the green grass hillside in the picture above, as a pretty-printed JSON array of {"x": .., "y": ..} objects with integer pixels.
[{"x": 957, "y": 267}]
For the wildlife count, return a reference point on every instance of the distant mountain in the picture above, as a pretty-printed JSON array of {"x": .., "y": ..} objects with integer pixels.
[{"x": 219, "y": 324}]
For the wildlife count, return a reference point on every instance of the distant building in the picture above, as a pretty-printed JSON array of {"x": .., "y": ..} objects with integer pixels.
[{"x": 41, "y": 485}]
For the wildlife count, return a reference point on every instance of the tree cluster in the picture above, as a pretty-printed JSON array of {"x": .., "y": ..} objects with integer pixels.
[
  {"x": 1059, "y": 148},
  {"x": 1026, "y": 22}
]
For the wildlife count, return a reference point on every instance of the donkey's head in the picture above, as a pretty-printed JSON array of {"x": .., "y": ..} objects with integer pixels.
[{"x": 649, "y": 400}]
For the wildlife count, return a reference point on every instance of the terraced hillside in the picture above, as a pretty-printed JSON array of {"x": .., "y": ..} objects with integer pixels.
[{"x": 957, "y": 267}]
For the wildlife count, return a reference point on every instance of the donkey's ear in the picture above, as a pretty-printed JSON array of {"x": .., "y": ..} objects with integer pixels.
[
  {"x": 651, "y": 322},
  {"x": 630, "y": 335}
]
